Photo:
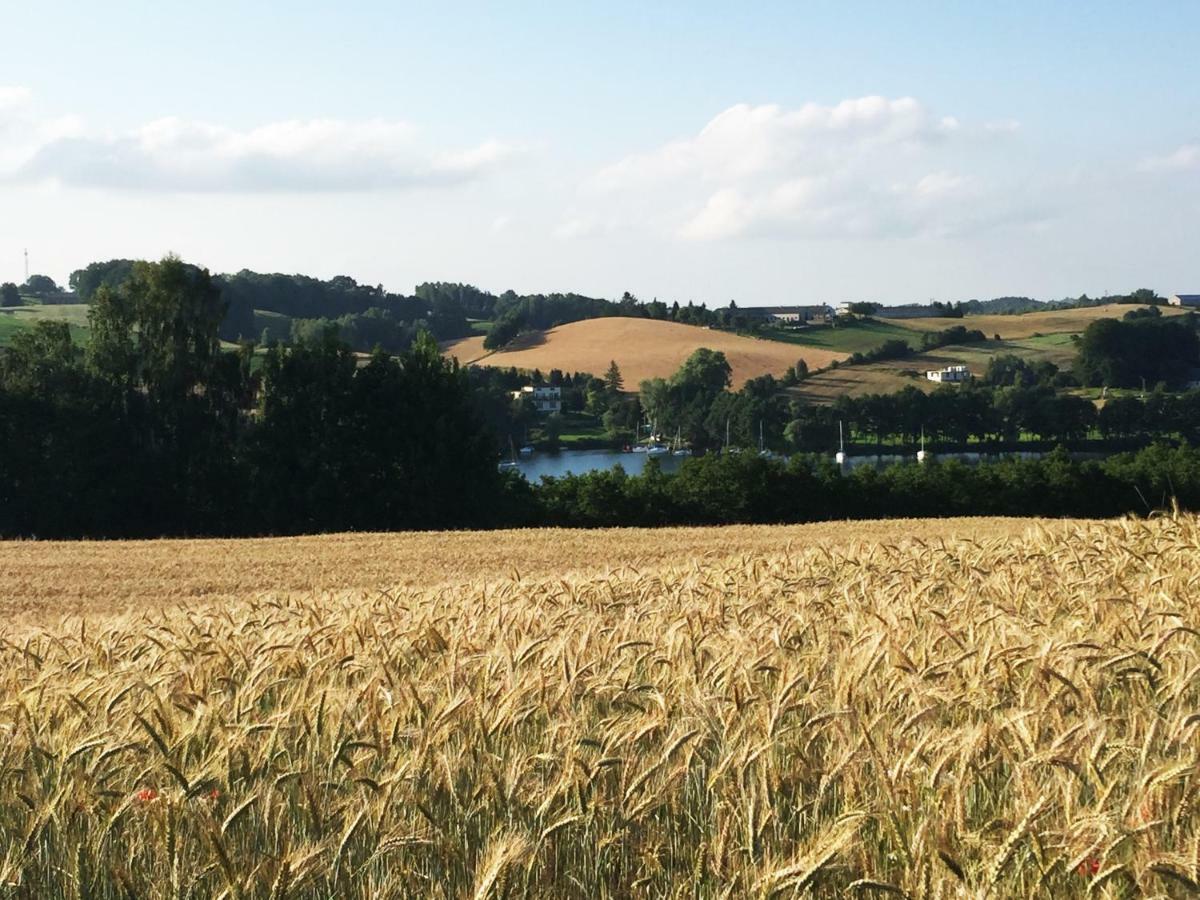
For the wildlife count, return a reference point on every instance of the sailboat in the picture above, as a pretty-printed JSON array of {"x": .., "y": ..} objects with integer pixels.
[
  {"x": 655, "y": 448},
  {"x": 728, "y": 449},
  {"x": 638, "y": 446},
  {"x": 527, "y": 449},
  {"x": 680, "y": 450},
  {"x": 762, "y": 444},
  {"x": 921, "y": 452},
  {"x": 841, "y": 454},
  {"x": 511, "y": 462}
]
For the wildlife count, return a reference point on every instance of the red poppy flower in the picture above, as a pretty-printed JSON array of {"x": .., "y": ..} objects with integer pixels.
[
  {"x": 1089, "y": 866},
  {"x": 146, "y": 795}
]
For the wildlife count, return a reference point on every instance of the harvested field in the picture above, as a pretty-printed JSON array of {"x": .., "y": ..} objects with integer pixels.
[
  {"x": 643, "y": 348},
  {"x": 1072, "y": 321},
  {"x": 892, "y": 375},
  {"x": 1012, "y": 713}
]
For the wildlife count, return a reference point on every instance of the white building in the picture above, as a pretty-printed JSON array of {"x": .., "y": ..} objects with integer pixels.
[
  {"x": 1184, "y": 300},
  {"x": 792, "y": 315},
  {"x": 544, "y": 399},
  {"x": 949, "y": 374}
]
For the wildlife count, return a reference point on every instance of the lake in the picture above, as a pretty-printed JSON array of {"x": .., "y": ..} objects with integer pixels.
[{"x": 578, "y": 462}]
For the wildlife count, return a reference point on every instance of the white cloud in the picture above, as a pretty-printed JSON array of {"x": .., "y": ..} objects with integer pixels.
[
  {"x": 1002, "y": 126},
  {"x": 1184, "y": 159},
  {"x": 175, "y": 154},
  {"x": 578, "y": 227},
  {"x": 746, "y": 141},
  {"x": 866, "y": 167},
  {"x": 489, "y": 153},
  {"x": 22, "y": 133},
  {"x": 13, "y": 96}
]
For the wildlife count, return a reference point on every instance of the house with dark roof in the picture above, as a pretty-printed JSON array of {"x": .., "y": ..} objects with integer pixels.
[
  {"x": 791, "y": 315},
  {"x": 1184, "y": 300}
]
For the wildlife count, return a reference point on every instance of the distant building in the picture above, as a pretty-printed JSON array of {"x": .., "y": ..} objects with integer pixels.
[
  {"x": 908, "y": 311},
  {"x": 544, "y": 399},
  {"x": 1184, "y": 300},
  {"x": 791, "y": 315},
  {"x": 949, "y": 374}
]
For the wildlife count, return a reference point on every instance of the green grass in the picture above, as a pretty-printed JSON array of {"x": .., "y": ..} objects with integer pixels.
[
  {"x": 577, "y": 429},
  {"x": 9, "y": 326},
  {"x": 892, "y": 375},
  {"x": 277, "y": 326},
  {"x": 480, "y": 326},
  {"x": 847, "y": 338},
  {"x": 22, "y": 318},
  {"x": 73, "y": 313},
  {"x": 1095, "y": 393},
  {"x": 1060, "y": 339}
]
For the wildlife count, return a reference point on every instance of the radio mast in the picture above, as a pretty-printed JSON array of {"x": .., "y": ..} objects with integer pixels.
[{"x": 26, "y": 264}]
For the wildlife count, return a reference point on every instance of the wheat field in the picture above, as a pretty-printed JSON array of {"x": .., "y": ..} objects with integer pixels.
[
  {"x": 1025, "y": 325},
  {"x": 643, "y": 348},
  {"x": 969, "y": 708}
]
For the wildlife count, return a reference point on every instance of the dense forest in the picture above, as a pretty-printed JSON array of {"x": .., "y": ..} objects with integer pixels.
[
  {"x": 290, "y": 308},
  {"x": 1141, "y": 348},
  {"x": 1011, "y": 306}
]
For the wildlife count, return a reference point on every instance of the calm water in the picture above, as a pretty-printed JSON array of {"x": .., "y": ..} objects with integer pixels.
[{"x": 577, "y": 462}]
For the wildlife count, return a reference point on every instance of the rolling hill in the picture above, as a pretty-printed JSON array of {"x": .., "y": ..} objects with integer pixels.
[
  {"x": 1036, "y": 337},
  {"x": 643, "y": 348},
  {"x": 892, "y": 375},
  {"x": 1015, "y": 327},
  {"x": 22, "y": 318}
]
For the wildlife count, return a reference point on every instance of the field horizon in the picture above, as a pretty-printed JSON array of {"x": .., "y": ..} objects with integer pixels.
[
  {"x": 179, "y": 572},
  {"x": 643, "y": 348}
]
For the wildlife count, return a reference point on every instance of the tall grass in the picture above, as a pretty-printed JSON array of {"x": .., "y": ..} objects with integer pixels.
[{"x": 992, "y": 717}]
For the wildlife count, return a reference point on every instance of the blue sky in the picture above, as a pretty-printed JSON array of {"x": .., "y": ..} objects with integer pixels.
[{"x": 779, "y": 152}]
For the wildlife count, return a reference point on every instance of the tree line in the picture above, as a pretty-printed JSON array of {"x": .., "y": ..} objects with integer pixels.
[
  {"x": 1141, "y": 348},
  {"x": 154, "y": 428},
  {"x": 745, "y": 488},
  {"x": 1012, "y": 401}
]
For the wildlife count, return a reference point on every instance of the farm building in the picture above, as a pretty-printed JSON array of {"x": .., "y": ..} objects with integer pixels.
[
  {"x": 1184, "y": 300},
  {"x": 908, "y": 311},
  {"x": 949, "y": 374},
  {"x": 545, "y": 399},
  {"x": 792, "y": 315}
]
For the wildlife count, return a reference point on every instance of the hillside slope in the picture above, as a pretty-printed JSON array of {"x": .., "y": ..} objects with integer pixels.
[
  {"x": 1059, "y": 321},
  {"x": 892, "y": 375},
  {"x": 643, "y": 348}
]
